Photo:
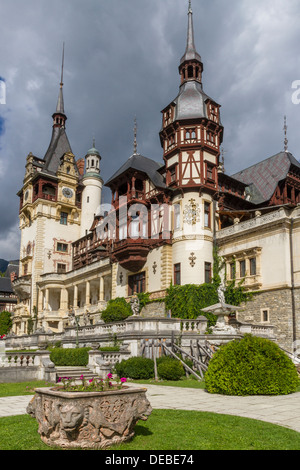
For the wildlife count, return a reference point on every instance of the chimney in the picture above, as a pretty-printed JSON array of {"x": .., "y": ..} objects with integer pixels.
[{"x": 80, "y": 166}]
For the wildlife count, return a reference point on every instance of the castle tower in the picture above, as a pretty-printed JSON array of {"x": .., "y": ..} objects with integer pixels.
[
  {"x": 191, "y": 137},
  {"x": 91, "y": 195},
  {"x": 50, "y": 217}
]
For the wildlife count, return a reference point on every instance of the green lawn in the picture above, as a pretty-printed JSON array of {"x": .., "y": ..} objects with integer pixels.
[
  {"x": 171, "y": 430},
  {"x": 164, "y": 430},
  {"x": 23, "y": 388}
]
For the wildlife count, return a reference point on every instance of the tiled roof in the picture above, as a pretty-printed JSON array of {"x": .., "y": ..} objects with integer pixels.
[
  {"x": 263, "y": 177},
  {"x": 143, "y": 164},
  {"x": 59, "y": 145}
]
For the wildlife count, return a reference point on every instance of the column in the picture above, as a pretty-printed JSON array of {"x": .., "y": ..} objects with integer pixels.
[
  {"x": 87, "y": 293},
  {"x": 101, "y": 289},
  {"x": 47, "y": 299},
  {"x": 41, "y": 300},
  {"x": 63, "y": 299},
  {"x": 75, "y": 300}
]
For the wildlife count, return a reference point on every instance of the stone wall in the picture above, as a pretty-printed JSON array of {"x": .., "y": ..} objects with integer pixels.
[
  {"x": 155, "y": 309},
  {"x": 278, "y": 304}
]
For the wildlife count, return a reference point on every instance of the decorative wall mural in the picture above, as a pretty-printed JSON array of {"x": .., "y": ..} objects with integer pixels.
[{"x": 191, "y": 213}]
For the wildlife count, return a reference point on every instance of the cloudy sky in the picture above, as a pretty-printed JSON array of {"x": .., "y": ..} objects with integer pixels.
[{"x": 121, "y": 61}]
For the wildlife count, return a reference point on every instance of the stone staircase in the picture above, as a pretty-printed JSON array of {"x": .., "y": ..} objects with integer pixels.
[{"x": 75, "y": 373}]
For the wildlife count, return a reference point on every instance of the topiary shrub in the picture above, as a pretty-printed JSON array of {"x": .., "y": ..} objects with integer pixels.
[
  {"x": 117, "y": 310},
  {"x": 135, "y": 368},
  {"x": 251, "y": 366},
  {"x": 70, "y": 356},
  {"x": 169, "y": 369},
  {"x": 5, "y": 322}
]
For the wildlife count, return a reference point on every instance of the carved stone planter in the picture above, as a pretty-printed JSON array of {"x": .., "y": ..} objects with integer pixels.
[{"x": 88, "y": 420}]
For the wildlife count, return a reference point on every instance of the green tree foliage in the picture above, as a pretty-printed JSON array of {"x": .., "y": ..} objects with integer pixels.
[
  {"x": 251, "y": 366},
  {"x": 187, "y": 301},
  {"x": 5, "y": 322}
]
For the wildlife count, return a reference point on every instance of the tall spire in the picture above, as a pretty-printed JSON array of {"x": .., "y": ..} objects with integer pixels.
[
  {"x": 60, "y": 102},
  {"x": 285, "y": 136},
  {"x": 59, "y": 117},
  {"x": 191, "y": 66},
  {"x": 135, "y": 138},
  {"x": 190, "y": 51}
]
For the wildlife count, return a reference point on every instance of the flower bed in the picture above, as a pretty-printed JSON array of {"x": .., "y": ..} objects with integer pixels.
[{"x": 91, "y": 385}]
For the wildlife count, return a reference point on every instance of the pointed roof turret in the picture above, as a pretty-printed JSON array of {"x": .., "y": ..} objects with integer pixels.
[
  {"x": 59, "y": 117},
  {"x": 59, "y": 143},
  {"x": 190, "y": 51},
  {"x": 191, "y": 66}
]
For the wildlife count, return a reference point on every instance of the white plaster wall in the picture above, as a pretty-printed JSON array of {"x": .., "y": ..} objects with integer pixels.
[{"x": 91, "y": 200}]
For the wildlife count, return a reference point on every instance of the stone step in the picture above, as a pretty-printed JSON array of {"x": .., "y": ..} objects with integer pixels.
[{"x": 75, "y": 373}]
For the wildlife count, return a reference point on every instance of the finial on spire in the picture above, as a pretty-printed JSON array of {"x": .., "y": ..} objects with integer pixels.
[
  {"x": 285, "y": 135},
  {"x": 190, "y": 7},
  {"x": 94, "y": 143},
  {"x": 135, "y": 137},
  {"x": 62, "y": 66}
]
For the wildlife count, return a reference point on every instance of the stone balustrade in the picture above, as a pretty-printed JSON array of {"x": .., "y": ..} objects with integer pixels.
[
  {"x": 26, "y": 366},
  {"x": 130, "y": 331}
]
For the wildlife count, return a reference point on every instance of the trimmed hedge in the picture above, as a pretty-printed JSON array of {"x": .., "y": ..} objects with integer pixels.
[
  {"x": 5, "y": 322},
  {"x": 143, "y": 368},
  {"x": 117, "y": 310},
  {"x": 251, "y": 366},
  {"x": 135, "y": 368},
  {"x": 70, "y": 356}
]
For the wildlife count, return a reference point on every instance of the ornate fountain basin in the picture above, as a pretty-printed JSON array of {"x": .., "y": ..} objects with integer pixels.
[{"x": 88, "y": 420}]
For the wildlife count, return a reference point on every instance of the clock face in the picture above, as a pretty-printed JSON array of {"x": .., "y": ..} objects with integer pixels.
[{"x": 67, "y": 192}]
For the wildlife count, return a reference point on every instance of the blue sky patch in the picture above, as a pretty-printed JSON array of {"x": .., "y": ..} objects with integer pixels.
[{"x": 1, "y": 125}]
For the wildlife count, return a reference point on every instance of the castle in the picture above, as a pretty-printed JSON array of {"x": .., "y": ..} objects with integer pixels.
[{"x": 163, "y": 221}]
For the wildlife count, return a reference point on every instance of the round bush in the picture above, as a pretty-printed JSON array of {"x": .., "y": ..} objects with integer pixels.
[
  {"x": 117, "y": 310},
  {"x": 170, "y": 369},
  {"x": 135, "y": 368},
  {"x": 251, "y": 366}
]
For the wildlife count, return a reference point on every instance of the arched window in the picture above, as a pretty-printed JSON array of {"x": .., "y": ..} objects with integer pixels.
[{"x": 190, "y": 71}]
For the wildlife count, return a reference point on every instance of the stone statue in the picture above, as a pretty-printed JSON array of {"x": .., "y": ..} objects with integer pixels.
[
  {"x": 86, "y": 318},
  {"x": 221, "y": 294},
  {"x": 72, "y": 318},
  {"x": 135, "y": 304}
]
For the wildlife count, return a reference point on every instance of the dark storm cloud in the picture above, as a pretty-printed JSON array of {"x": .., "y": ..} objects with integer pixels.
[{"x": 121, "y": 61}]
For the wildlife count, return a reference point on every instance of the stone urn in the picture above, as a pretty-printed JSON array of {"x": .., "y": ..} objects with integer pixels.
[{"x": 88, "y": 420}]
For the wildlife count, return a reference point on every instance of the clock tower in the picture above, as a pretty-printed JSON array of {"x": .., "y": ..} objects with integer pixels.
[{"x": 50, "y": 217}]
